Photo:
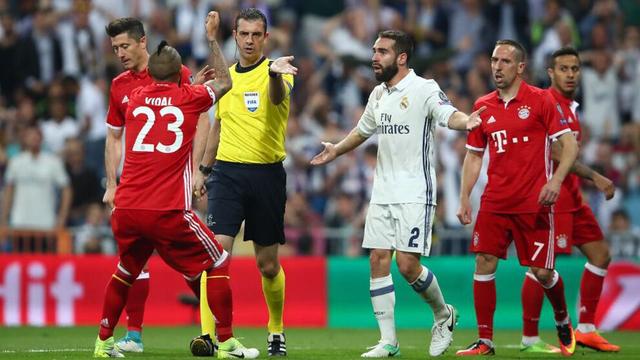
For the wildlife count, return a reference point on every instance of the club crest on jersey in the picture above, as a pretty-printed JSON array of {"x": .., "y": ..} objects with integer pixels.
[
  {"x": 524, "y": 111},
  {"x": 252, "y": 100},
  {"x": 404, "y": 103},
  {"x": 562, "y": 241}
]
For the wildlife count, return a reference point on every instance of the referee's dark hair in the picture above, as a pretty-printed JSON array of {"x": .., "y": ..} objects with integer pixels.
[
  {"x": 252, "y": 14},
  {"x": 132, "y": 26},
  {"x": 521, "y": 53},
  {"x": 563, "y": 51},
  {"x": 403, "y": 42}
]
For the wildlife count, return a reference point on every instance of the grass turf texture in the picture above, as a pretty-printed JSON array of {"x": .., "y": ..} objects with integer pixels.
[{"x": 173, "y": 343}]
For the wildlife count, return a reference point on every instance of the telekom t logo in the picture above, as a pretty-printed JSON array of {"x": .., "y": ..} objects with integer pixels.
[{"x": 500, "y": 138}]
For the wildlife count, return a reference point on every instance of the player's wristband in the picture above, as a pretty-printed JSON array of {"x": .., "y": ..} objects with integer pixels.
[
  {"x": 273, "y": 74},
  {"x": 206, "y": 170}
]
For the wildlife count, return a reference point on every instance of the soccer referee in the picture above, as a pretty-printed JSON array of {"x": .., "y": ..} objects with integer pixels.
[{"x": 247, "y": 182}]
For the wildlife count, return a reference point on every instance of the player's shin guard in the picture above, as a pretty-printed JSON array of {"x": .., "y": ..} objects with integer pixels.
[
  {"x": 555, "y": 293},
  {"x": 427, "y": 286},
  {"x": 273, "y": 290},
  {"x": 590, "y": 289},
  {"x": 383, "y": 300},
  {"x": 114, "y": 301},
  {"x": 220, "y": 300},
  {"x": 484, "y": 299},
  {"x": 532, "y": 299},
  {"x": 138, "y": 295}
]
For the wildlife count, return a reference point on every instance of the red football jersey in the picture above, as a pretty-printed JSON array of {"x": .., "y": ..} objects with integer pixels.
[
  {"x": 160, "y": 126},
  {"x": 570, "y": 198},
  {"x": 518, "y": 135},
  {"x": 120, "y": 93}
]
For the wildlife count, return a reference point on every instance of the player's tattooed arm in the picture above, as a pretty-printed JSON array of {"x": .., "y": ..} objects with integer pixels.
[{"x": 222, "y": 83}]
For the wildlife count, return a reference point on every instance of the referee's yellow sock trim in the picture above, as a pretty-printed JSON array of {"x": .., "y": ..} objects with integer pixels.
[{"x": 273, "y": 290}]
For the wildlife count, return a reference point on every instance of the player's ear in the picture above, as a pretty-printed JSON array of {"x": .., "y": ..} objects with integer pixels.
[
  {"x": 550, "y": 73},
  {"x": 143, "y": 41},
  {"x": 266, "y": 35},
  {"x": 402, "y": 59}
]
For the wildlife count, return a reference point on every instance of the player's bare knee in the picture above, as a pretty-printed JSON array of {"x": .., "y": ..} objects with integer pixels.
[
  {"x": 409, "y": 266},
  {"x": 486, "y": 264},
  {"x": 598, "y": 255},
  {"x": 269, "y": 268},
  {"x": 544, "y": 276}
]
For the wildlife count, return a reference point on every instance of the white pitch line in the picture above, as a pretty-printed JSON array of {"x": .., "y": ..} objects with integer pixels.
[{"x": 42, "y": 351}]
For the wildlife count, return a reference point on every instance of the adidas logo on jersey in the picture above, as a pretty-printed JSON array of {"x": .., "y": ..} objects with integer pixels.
[
  {"x": 125, "y": 99},
  {"x": 491, "y": 120}
]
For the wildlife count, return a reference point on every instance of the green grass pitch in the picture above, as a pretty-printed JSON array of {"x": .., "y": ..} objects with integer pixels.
[{"x": 172, "y": 343}]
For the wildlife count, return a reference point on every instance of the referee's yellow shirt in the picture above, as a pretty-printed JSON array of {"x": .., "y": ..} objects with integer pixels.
[{"x": 252, "y": 128}]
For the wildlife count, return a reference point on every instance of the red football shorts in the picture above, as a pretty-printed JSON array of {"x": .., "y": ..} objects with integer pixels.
[
  {"x": 532, "y": 234},
  {"x": 576, "y": 228},
  {"x": 180, "y": 238}
]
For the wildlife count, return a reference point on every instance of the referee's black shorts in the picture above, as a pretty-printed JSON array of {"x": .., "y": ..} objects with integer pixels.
[{"x": 255, "y": 193}]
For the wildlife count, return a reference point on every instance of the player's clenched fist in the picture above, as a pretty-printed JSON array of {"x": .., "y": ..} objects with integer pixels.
[{"x": 213, "y": 21}]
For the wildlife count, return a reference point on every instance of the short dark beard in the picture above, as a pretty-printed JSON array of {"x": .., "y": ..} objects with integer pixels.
[{"x": 387, "y": 73}]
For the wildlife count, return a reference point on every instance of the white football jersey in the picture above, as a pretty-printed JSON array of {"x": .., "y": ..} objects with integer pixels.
[{"x": 404, "y": 118}]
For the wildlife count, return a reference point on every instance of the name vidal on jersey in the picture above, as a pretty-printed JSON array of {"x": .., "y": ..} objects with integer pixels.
[
  {"x": 163, "y": 101},
  {"x": 386, "y": 128}
]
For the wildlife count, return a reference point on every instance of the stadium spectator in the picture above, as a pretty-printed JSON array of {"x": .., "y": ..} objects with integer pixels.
[
  {"x": 84, "y": 181},
  {"x": 32, "y": 180},
  {"x": 59, "y": 127},
  {"x": 623, "y": 236}
]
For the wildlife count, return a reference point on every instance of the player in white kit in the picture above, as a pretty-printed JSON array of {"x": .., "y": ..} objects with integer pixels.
[{"x": 403, "y": 111}]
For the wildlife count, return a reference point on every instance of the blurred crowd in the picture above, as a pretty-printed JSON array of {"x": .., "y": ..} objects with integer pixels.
[{"x": 56, "y": 65}]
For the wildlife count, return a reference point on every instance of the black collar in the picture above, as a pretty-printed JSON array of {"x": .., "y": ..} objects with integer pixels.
[{"x": 241, "y": 69}]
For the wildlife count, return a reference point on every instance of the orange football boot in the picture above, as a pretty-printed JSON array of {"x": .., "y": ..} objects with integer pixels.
[
  {"x": 595, "y": 341},
  {"x": 477, "y": 348},
  {"x": 567, "y": 339}
]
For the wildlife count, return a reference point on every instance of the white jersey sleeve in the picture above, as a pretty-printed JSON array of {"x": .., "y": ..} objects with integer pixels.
[
  {"x": 438, "y": 106},
  {"x": 367, "y": 123}
]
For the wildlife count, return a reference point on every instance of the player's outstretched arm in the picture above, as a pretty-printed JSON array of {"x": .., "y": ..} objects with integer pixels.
[
  {"x": 222, "y": 83},
  {"x": 461, "y": 121},
  {"x": 470, "y": 171},
  {"x": 112, "y": 156},
  {"x": 551, "y": 190},
  {"x": 277, "y": 90},
  {"x": 602, "y": 183},
  {"x": 332, "y": 151}
]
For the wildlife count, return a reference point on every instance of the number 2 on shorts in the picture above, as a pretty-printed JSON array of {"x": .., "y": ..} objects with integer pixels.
[{"x": 415, "y": 233}]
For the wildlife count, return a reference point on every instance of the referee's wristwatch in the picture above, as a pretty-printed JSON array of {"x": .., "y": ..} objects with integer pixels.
[{"x": 206, "y": 170}]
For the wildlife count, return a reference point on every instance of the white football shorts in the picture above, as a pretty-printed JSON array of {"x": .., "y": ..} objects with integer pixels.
[{"x": 403, "y": 227}]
